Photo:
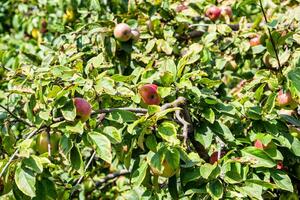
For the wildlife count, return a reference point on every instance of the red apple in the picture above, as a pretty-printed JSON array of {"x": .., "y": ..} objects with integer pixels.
[
  {"x": 255, "y": 41},
  {"x": 226, "y": 11},
  {"x": 258, "y": 144},
  {"x": 149, "y": 94},
  {"x": 279, "y": 165},
  {"x": 214, "y": 156},
  {"x": 284, "y": 98},
  {"x": 83, "y": 108},
  {"x": 122, "y": 32},
  {"x": 213, "y": 13},
  {"x": 135, "y": 35}
]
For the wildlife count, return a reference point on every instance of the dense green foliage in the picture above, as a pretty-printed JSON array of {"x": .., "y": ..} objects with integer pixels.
[{"x": 234, "y": 135}]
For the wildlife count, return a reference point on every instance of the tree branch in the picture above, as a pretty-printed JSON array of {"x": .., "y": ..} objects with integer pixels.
[
  {"x": 16, "y": 117},
  {"x": 112, "y": 176},
  {"x": 270, "y": 34}
]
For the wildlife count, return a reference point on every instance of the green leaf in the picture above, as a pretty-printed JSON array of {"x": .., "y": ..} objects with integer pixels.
[
  {"x": 103, "y": 146},
  {"x": 215, "y": 189},
  {"x": 172, "y": 155},
  {"x": 209, "y": 115},
  {"x": 122, "y": 116},
  {"x": 270, "y": 48},
  {"x": 258, "y": 157},
  {"x": 76, "y": 159},
  {"x": 168, "y": 132},
  {"x": 206, "y": 170},
  {"x": 282, "y": 180},
  {"x": 139, "y": 174},
  {"x": 69, "y": 111},
  {"x": 34, "y": 163},
  {"x": 294, "y": 78},
  {"x": 25, "y": 180},
  {"x": 113, "y": 133},
  {"x": 172, "y": 186},
  {"x": 77, "y": 128},
  {"x": 270, "y": 104}
]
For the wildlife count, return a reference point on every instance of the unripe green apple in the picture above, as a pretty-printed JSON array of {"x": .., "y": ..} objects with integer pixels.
[
  {"x": 213, "y": 13},
  {"x": 83, "y": 108},
  {"x": 283, "y": 98},
  {"x": 150, "y": 94},
  {"x": 122, "y": 32},
  {"x": 167, "y": 172},
  {"x": 42, "y": 142}
]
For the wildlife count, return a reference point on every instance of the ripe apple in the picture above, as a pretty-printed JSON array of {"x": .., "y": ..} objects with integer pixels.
[
  {"x": 135, "y": 35},
  {"x": 279, "y": 165},
  {"x": 258, "y": 144},
  {"x": 122, "y": 32},
  {"x": 283, "y": 98},
  {"x": 226, "y": 11},
  {"x": 83, "y": 108},
  {"x": 213, "y": 13},
  {"x": 214, "y": 156},
  {"x": 255, "y": 41},
  {"x": 42, "y": 142},
  {"x": 149, "y": 94}
]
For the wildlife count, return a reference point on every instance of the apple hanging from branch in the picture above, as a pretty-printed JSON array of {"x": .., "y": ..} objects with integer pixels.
[
  {"x": 122, "y": 32},
  {"x": 83, "y": 108},
  {"x": 150, "y": 94}
]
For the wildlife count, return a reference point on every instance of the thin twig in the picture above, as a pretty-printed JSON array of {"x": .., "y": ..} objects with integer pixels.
[
  {"x": 112, "y": 176},
  {"x": 16, "y": 117},
  {"x": 12, "y": 157},
  {"x": 270, "y": 34},
  {"x": 86, "y": 167}
]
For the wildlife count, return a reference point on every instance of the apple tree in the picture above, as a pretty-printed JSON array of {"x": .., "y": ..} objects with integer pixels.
[{"x": 149, "y": 99}]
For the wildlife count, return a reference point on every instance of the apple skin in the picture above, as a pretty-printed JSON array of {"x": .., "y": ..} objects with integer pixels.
[
  {"x": 135, "y": 35},
  {"x": 213, "y": 13},
  {"x": 83, "y": 108},
  {"x": 255, "y": 41},
  {"x": 214, "y": 157},
  {"x": 279, "y": 165},
  {"x": 258, "y": 144},
  {"x": 122, "y": 32},
  {"x": 42, "y": 143},
  {"x": 167, "y": 172},
  {"x": 226, "y": 11},
  {"x": 149, "y": 94},
  {"x": 283, "y": 98}
]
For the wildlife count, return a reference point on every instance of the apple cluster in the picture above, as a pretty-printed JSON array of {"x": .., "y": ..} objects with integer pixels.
[
  {"x": 214, "y": 12},
  {"x": 123, "y": 33}
]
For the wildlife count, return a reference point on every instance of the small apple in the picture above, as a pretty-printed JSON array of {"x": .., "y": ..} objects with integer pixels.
[
  {"x": 167, "y": 172},
  {"x": 255, "y": 41},
  {"x": 214, "y": 156},
  {"x": 135, "y": 35},
  {"x": 42, "y": 142},
  {"x": 279, "y": 165},
  {"x": 149, "y": 94},
  {"x": 258, "y": 144},
  {"x": 83, "y": 108},
  {"x": 35, "y": 33},
  {"x": 226, "y": 11},
  {"x": 213, "y": 13},
  {"x": 283, "y": 98},
  {"x": 122, "y": 32}
]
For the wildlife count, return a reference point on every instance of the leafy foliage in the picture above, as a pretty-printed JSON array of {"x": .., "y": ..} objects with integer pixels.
[{"x": 54, "y": 51}]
